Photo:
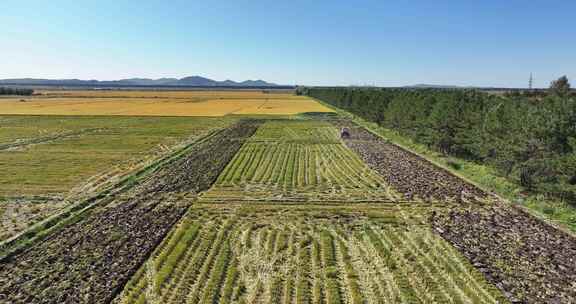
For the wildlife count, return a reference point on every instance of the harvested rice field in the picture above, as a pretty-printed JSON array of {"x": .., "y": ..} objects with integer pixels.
[
  {"x": 160, "y": 103},
  {"x": 298, "y": 160},
  {"x": 272, "y": 254}
]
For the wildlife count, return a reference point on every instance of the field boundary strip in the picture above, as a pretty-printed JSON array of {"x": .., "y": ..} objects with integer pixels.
[{"x": 46, "y": 139}]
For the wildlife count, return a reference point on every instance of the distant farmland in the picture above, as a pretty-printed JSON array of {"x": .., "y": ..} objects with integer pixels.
[{"x": 160, "y": 103}]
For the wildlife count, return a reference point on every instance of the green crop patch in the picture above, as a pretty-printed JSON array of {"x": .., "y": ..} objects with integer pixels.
[
  {"x": 298, "y": 160},
  {"x": 50, "y": 162}
]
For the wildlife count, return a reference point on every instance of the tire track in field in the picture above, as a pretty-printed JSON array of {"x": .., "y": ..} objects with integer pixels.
[{"x": 20, "y": 144}]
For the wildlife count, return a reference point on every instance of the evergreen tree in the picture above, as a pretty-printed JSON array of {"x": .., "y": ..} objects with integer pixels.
[
  {"x": 528, "y": 138},
  {"x": 560, "y": 86}
]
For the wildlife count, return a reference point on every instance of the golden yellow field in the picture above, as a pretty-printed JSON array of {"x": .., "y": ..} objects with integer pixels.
[
  {"x": 195, "y": 94},
  {"x": 160, "y": 103}
]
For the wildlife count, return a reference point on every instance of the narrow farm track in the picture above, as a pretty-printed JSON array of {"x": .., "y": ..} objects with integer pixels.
[
  {"x": 19, "y": 144},
  {"x": 90, "y": 261},
  {"x": 275, "y": 254}
]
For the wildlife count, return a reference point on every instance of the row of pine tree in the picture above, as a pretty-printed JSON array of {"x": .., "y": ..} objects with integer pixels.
[
  {"x": 529, "y": 138},
  {"x": 15, "y": 91}
]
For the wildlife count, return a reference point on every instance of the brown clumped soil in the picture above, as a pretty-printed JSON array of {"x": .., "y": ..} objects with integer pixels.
[
  {"x": 91, "y": 260},
  {"x": 408, "y": 173},
  {"x": 86, "y": 262},
  {"x": 530, "y": 261}
]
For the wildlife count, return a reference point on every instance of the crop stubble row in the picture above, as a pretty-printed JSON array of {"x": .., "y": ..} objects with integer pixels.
[
  {"x": 298, "y": 161},
  {"x": 285, "y": 255}
]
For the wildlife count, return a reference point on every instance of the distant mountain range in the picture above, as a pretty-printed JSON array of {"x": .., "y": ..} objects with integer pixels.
[
  {"x": 483, "y": 88},
  {"x": 192, "y": 81},
  {"x": 437, "y": 86}
]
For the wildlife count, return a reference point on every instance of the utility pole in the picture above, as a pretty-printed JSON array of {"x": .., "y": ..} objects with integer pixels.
[{"x": 530, "y": 82}]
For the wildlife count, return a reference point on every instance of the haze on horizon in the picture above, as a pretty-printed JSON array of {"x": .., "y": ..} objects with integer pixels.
[{"x": 385, "y": 43}]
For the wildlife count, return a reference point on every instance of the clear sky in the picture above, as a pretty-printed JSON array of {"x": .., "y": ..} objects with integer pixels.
[{"x": 313, "y": 42}]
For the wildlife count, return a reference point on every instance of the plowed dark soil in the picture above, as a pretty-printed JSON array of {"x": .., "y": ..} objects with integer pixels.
[
  {"x": 408, "y": 173},
  {"x": 91, "y": 260},
  {"x": 530, "y": 261}
]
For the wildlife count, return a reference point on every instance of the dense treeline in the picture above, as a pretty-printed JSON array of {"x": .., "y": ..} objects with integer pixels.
[
  {"x": 529, "y": 140},
  {"x": 16, "y": 91}
]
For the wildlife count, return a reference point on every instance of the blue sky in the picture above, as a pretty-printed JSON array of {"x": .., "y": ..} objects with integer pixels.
[{"x": 465, "y": 42}]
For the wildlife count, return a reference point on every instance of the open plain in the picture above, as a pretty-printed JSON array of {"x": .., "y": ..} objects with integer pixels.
[
  {"x": 287, "y": 152},
  {"x": 126, "y": 201}
]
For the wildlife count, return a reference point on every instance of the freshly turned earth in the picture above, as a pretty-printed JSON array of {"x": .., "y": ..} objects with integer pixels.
[
  {"x": 408, "y": 173},
  {"x": 529, "y": 260}
]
